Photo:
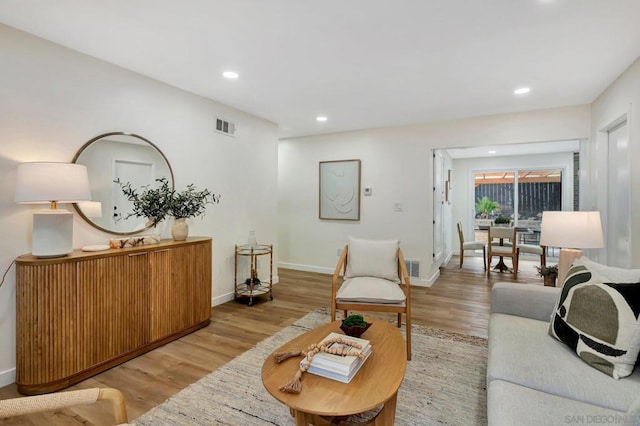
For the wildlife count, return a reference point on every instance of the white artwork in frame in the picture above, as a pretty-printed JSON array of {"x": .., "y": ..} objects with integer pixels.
[{"x": 340, "y": 190}]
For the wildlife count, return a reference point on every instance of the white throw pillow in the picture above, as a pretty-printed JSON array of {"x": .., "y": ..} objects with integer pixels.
[{"x": 373, "y": 258}]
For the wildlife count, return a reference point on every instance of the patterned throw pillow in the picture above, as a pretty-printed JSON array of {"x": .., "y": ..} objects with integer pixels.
[{"x": 599, "y": 318}]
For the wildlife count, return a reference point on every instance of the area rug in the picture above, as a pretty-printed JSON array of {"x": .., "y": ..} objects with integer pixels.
[{"x": 444, "y": 384}]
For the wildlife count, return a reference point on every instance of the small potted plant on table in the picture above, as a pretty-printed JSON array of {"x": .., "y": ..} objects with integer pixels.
[
  {"x": 549, "y": 274},
  {"x": 354, "y": 325}
]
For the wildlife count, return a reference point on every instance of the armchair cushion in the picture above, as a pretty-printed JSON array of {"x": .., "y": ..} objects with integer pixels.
[
  {"x": 370, "y": 290},
  {"x": 373, "y": 258}
]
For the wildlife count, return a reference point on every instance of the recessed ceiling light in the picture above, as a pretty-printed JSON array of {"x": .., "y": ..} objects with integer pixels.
[
  {"x": 492, "y": 151},
  {"x": 321, "y": 118},
  {"x": 522, "y": 91},
  {"x": 230, "y": 75}
]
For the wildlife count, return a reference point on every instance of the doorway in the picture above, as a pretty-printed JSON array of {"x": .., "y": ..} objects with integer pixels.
[{"x": 618, "y": 226}]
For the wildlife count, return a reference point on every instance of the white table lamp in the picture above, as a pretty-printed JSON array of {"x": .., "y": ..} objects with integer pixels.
[
  {"x": 571, "y": 231},
  {"x": 52, "y": 183}
]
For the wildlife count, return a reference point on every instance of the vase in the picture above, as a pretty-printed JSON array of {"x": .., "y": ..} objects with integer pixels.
[
  {"x": 180, "y": 229},
  {"x": 549, "y": 280}
]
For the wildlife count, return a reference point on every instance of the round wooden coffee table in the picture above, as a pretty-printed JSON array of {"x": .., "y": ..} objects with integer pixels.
[{"x": 375, "y": 384}]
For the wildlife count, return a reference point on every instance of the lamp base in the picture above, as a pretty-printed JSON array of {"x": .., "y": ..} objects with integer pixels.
[
  {"x": 52, "y": 233},
  {"x": 565, "y": 259}
]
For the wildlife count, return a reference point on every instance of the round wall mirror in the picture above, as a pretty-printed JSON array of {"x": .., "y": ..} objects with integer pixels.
[{"x": 121, "y": 156}]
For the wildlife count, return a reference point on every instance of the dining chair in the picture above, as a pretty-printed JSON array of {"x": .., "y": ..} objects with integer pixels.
[
  {"x": 375, "y": 279},
  {"x": 537, "y": 250},
  {"x": 471, "y": 245},
  {"x": 505, "y": 246}
]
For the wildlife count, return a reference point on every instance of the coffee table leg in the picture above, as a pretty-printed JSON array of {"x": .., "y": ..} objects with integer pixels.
[
  {"x": 387, "y": 415},
  {"x": 302, "y": 418}
]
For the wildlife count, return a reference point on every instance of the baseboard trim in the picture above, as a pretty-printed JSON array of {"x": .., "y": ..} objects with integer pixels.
[
  {"x": 306, "y": 268},
  {"x": 7, "y": 377}
]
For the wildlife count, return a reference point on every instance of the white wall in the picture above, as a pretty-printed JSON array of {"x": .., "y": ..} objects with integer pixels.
[
  {"x": 620, "y": 98},
  {"x": 53, "y": 100},
  {"x": 396, "y": 163},
  {"x": 463, "y": 187}
]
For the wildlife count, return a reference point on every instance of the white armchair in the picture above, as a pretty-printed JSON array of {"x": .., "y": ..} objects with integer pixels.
[{"x": 375, "y": 279}]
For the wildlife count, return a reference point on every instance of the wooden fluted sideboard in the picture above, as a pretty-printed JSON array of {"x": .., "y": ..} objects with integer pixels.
[{"x": 84, "y": 313}]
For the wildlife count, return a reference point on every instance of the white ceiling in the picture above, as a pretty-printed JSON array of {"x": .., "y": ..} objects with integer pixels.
[{"x": 362, "y": 63}]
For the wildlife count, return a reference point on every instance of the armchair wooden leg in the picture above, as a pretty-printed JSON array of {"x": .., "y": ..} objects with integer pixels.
[
  {"x": 408, "y": 322},
  {"x": 399, "y": 320}
]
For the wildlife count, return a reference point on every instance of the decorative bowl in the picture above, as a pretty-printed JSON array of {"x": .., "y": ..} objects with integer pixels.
[{"x": 354, "y": 330}]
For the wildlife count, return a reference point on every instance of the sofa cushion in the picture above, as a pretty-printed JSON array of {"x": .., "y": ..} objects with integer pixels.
[
  {"x": 597, "y": 316},
  {"x": 370, "y": 290},
  {"x": 522, "y": 352},
  {"x": 373, "y": 258},
  {"x": 509, "y": 404}
]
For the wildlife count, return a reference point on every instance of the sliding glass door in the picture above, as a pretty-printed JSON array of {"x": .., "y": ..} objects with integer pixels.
[{"x": 517, "y": 195}]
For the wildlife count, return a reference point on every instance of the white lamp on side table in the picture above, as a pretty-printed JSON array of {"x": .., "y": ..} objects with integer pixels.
[
  {"x": 571, "y": 231},
  {"x": 52, "y": 183}
]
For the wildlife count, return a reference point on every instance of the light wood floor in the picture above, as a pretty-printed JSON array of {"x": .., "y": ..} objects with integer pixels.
[{"x": 458, "y": 301}]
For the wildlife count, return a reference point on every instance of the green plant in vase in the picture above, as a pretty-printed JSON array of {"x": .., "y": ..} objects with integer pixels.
[
  {"x": 501, "y": 220},
  {"x": 549, "y": 274},
  {"x": 354, "y": 325},
  {"x": 186, "y": 204},
  {"x": 151, "y": 203}
]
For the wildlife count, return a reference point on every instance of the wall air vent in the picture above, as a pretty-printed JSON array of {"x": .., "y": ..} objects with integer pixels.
[
  {"x": 225, "y": 127},
  {"x": 413, "y": 267}
]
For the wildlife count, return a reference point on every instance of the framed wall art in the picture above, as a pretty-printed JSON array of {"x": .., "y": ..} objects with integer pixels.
[{"x": 340, "y": 190}]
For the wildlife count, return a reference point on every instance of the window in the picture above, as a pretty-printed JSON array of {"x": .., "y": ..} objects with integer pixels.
[{"x": 520, "y": 195}]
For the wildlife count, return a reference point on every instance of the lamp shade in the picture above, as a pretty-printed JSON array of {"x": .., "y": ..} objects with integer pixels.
[
  {"x": 44, "y": 182},
  {"x": 571, "y": 229}
]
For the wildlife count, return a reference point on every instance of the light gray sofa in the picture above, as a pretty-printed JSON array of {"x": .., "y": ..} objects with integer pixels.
[{"x": 533, "y": 379}]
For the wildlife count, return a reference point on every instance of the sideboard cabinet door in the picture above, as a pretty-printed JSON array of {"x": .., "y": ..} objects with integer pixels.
[
  {"x": 45, "y": 316},
  {"x": 113, "y": 311},
  {"x": 180, "y": 289}
]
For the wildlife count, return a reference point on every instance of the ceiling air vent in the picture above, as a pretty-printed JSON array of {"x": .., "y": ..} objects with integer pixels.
[{"x": 225, "y": 127}]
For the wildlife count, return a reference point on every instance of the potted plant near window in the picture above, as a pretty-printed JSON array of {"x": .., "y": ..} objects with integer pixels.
[
  {"x": 485, "y": 206},
  {"x": 549, "y": 274},
  {"x": 186, "y": 204}
]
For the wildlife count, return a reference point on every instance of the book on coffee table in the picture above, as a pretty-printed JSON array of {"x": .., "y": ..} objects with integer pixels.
[
  {"x": 337, "y": 375},
  {"x": 340, "y": 367}
]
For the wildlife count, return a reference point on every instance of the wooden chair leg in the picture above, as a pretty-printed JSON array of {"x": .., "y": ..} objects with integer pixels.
[
  {"x": 408, "y": 321},
  {"x": 484, "y": 258},
  {"x": 461, "y": 257},
  {"x": 399, "y": 320}
]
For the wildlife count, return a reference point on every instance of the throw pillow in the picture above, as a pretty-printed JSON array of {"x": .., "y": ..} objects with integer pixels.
[
  {"x": 598, "y": 317},
  {"x": 373, "y": 258}
]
